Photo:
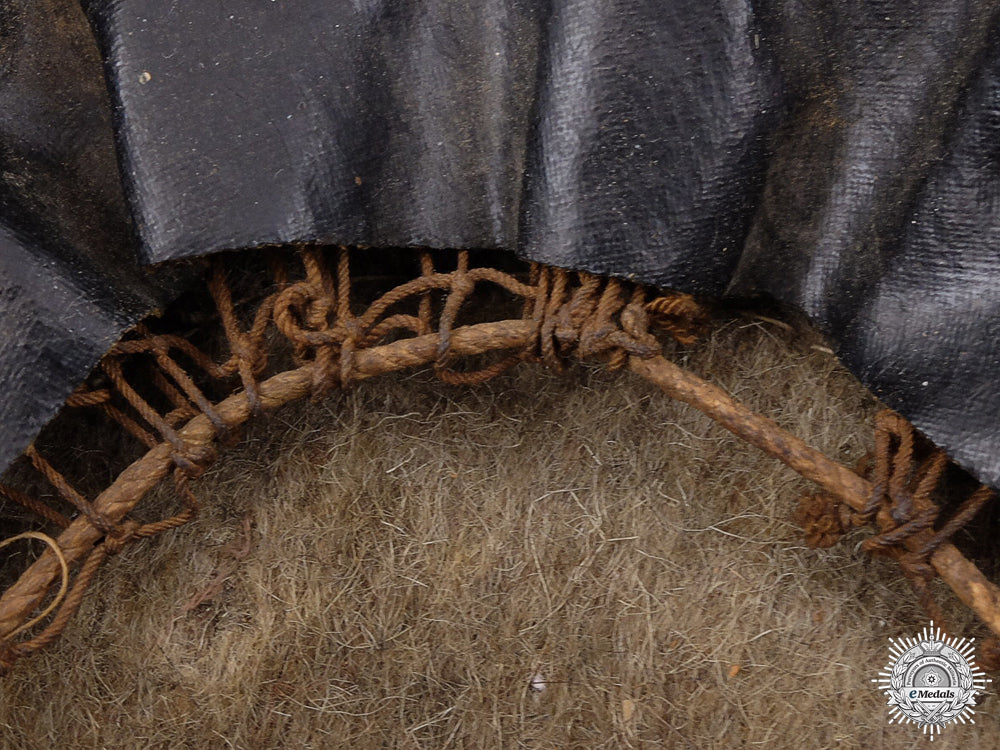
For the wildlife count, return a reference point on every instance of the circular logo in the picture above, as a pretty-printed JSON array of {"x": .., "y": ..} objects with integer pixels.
[{"x": 930, "y": 680}]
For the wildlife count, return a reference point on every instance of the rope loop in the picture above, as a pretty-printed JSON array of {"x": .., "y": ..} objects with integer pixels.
[
  {"x": 120, "y": 537},
  {"x": 907, "y": 469},
  {"x": 163, "y": 390}
]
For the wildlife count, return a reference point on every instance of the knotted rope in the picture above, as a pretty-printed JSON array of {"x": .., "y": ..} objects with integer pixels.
[
  {"x": 165, "y": 405},
  {"x": 900, "y": 506},
  {"x": 566, "y": 315}
]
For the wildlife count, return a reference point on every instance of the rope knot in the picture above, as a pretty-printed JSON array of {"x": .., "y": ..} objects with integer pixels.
[
  {"x": 680, "y": 315},
  {"x": 823, "y": 518},
  {"x": 245, "y": 350},
  {"x": 907, "y": 469},
  {"x": 905, "y": 475},
  {"x": 595, "y": 320},
  {"x": 635, "y": 323},
  {"x": 194, "y": 460},
  {"x": 120, "y": 536},
  {"x": 350, "y": 332},
  {"x": 301, "y": 318}
]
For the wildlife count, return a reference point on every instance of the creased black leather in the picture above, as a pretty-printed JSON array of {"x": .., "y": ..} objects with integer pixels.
[
  {"x": 69, "y": 283},
  {"x": 626, "y": 136},
  {"x": 840, "y": 157},
  {"x": 881, "y": 212}
]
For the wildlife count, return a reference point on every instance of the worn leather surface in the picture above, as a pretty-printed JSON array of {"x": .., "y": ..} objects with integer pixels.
[
  {"x": 881, "y": 212},
  {"x": 838, "y": 157},
  {"x": 69, "y": 283},
  {"x": 578, "y": 132}
]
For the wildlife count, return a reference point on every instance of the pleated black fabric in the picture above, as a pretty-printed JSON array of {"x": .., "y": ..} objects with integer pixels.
[{"x": 841, "y": 157}]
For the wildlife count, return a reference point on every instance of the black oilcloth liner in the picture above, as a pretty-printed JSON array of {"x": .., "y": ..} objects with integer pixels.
[
  {"x": 69, "y": 283},
  {"x": 841, "y": 157}
]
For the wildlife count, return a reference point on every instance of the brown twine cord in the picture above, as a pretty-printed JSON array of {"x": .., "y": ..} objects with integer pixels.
[
  {"x": 424, "y": 309},
  {"x": 35, "y": 506},
  {"x": 680, "y": 315},
  {"x": 68, "y": 603},
  {"x": 64, "y": 577},
  {"x": 183, "y": 456},
  {"x": 83, "y": 397},
  {"x": 276, "y": 267},
  {"x": 64, "y": 488},
  {"x": 965, "y": 579},
  {"x": 130, "y": 425},
  {"x": 900, "y": 506},
  {"x": 248, "y": 355},
  {"x": 315, "y": 316},
  {"x": 187, "y": 385},
  {"x": 182, "y": 405},
  {"x": 564, "y": 315},
  {"x": 352, "y": 328}
]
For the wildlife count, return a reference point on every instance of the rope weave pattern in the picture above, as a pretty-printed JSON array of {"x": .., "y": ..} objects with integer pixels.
[
  {"x": 909, "y": 524},
  {"x": 570, "y": 315},
  {"x": 157, "y": 387}
]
